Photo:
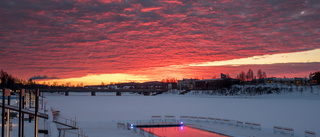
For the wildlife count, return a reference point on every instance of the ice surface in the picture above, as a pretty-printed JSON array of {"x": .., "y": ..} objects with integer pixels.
[{"x": 97, "y": 115}]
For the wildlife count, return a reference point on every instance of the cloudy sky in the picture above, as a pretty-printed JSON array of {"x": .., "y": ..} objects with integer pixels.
[{"x": 138, "y": 40}]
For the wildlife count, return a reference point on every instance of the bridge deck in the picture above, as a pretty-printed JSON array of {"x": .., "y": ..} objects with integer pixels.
[{"x": 103, "y": 90}]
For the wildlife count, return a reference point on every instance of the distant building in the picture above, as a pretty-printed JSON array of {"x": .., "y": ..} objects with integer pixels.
[
  {"x": 113, "y": 87},
  {"x": 212, "y": 84},
  {"x": 146, "y": 85},
  {"x": 223, "y": 75},
  {"x": 257, "y": 81},
  {"x": 288, "y": 81},
  {"x": 186, "y": 84},
  {"x": 301, "y": 81}
]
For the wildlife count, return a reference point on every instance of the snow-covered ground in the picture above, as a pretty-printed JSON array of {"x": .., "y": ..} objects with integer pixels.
[
  {"x": 98, "y": 115},
  {"x": 29, "y": 127}
]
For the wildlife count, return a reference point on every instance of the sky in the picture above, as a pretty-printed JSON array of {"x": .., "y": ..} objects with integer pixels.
[{"x": 94, "y": 41}]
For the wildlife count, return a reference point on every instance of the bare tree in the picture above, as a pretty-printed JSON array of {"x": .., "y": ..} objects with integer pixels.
[
  {"x": 227, "y": 75},
  {"x": 261, "y": 74},
  {"x": 68, "y": 84},
  {"x": 264, "y": 75},
  {"x": 7, "y": 80},
  {"x": 249, "y": 75},
  {"x": 55, "y": 83},
  {"x": 242, "y": 76}
]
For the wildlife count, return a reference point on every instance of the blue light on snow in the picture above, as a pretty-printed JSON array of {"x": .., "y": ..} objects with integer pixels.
[
  {"x": 181, "y": 127},
  {"x": 131, "y": 125}
]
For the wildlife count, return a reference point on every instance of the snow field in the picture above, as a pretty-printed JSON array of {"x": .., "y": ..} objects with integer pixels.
[{"x": 97, "y": 112}]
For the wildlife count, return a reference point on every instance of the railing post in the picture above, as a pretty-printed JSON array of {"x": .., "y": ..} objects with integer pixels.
[
  {"x": 36, "y": 112},
  {"x": 42, "y": 101},
  {"x": 8, "y": 114},
  {"x": 5, "y": 93},
  {"x": 21, "y": 103},
  {"x": 30, "y": 100}
]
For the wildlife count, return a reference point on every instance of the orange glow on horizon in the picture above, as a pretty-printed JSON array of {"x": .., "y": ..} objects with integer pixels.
[{"x": 97, "y": 79}]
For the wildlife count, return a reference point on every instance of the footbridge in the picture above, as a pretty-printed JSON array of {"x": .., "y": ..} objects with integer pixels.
[{"x": 118, "y": 92}]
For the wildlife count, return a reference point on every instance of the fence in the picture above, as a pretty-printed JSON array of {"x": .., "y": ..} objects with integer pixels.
[
  {"x": 278, "y": 130},
  {"x": 235, "y": 123},
  {"x": 211, "y": 119},
  {"x": 309, "y": 134},
  {"x": 66, "y": 121},
  {"x": 169, "y": 118},
  {"x": 226, "y": 121},
  {"x": 121, "y": 125},
  {"x": 288, "y": 131},
  {"x": 218, "y": 120},
  {"x": 156, "y": 118},
  {"x": 283, "y": 130},
  {"x": 240, "y": 123},
  {"x": 256, "y": 126},
  {"x": 193, "y": 118},
  {"x": 203, "y": 119},
  {"x": 252, "y": 125},
  {"x": 183, "y": 118}
]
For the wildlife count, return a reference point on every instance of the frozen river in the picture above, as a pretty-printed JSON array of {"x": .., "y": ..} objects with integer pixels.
[{"x": 97, "y": 114}]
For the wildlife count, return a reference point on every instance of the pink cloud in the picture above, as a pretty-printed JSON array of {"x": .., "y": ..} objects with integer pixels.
[
  {"x": 150, "y": 9},
  {"x": 75, "y": 38}
]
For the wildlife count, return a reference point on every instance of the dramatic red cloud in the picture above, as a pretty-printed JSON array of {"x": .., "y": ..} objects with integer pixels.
[{"x": 67, "y": 39}]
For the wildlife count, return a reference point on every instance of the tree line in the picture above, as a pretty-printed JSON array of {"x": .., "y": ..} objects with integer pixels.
[
  {"x": 7, "y": 80},
  {"x": 11, "y": 82},
  {"x": 249, "y": 76}
]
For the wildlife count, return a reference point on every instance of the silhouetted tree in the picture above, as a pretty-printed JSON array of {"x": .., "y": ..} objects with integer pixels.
[
  {"x": 241, "y": 76},
  {"x": 264, "y": 74},
  {"x": 7, "y": 80},
  {"x": 227, "y": 75},
  {"x": 261, "y": 74},
  {"x": 249, "y": 75},
  {"x": 169, "y": 80},
  {"x": 68, "y": 84}
]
